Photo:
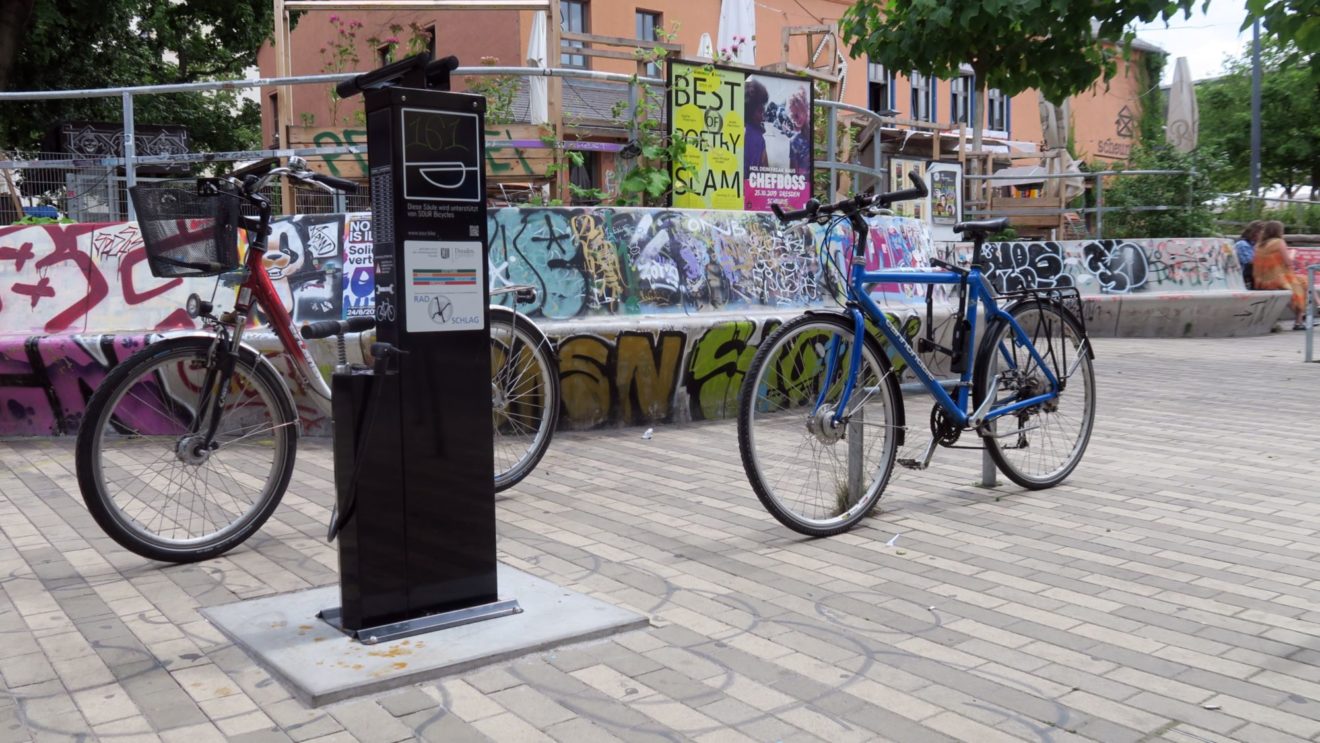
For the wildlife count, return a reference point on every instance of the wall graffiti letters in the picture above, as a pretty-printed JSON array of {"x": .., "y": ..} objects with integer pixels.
[{"x": 705, "y": 286}]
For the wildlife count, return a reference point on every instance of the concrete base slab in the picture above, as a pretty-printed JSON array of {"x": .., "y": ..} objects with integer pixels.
[{"x": 320, "y": 665}]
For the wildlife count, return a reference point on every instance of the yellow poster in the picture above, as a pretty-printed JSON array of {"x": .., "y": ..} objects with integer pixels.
[{"x": 748, "y": 136}]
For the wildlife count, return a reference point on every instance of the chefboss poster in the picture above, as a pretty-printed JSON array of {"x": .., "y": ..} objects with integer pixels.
[{"x": 748, "y": 137}]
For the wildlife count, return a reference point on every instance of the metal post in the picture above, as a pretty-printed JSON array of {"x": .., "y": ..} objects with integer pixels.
[
  {"x": 1311, "y": 272},
  {"x": 1255, "y": 108},
  {"x": 988, "y": 471},
  {"x": 831, "y": 144},
  {"x": 130, "y": 154},
  {"x": 1099, "y": 207}
]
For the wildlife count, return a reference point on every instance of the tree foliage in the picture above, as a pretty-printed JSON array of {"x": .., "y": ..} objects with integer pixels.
[
  {"x": 1055, "y": 46},
  {"x": 73, "y": 44},
  {"x": 1294, "y": 24},
  {"x": 1187, "y": 196},
  {"x": 1289, "y": 112}
]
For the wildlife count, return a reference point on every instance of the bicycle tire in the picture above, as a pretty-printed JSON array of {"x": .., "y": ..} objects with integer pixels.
[
  {"x": 525, "y": 395},
  {"x": 1001, "y": 343},
  {"x": 145, "y": 401},
  {"x": 797, "y": 349}
]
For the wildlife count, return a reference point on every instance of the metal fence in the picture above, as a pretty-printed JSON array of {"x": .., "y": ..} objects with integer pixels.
[{"x": 87, "y": 189}]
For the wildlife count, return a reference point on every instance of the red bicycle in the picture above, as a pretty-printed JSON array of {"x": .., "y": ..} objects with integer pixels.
[{"x": 186, "y": 448}]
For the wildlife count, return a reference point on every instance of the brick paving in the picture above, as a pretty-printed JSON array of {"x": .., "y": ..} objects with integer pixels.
[{"x": 1170, "y": 590}]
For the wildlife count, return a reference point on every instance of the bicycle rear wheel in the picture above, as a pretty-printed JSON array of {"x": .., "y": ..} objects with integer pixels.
[
  {"x": 816, "y": 477},
  {"x": 1039, "y": 446},
  {"x": 524, "y": 387},
  {"x": 142, "y": 470}
]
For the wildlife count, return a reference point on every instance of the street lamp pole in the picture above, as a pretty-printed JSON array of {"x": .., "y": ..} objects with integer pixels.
[{"x": 1255, "y": 108}]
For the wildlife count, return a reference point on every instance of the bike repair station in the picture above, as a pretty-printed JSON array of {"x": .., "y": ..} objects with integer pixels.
[{"x": 415, "y": 515}]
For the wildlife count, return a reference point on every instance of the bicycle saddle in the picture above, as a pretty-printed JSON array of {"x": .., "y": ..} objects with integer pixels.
[{"x": 982, "y": 226}]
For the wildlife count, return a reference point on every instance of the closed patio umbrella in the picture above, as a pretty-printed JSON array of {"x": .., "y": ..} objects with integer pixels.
[
  {"x": 738, "y": 19},
  {"x": 1183, "y": 119},
  {"x": 538, "y": 103}
]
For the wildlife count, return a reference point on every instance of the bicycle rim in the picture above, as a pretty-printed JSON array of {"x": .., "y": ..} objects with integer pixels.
[
  {"x": 524, "y": 398},
  {"x": 816, "y": 477},
  {"x": 1039, "y": 446},
  {"x": 167, "y": 498}
]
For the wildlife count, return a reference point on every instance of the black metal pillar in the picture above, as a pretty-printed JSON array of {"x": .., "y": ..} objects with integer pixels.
[{"x": 418, "y": 552}]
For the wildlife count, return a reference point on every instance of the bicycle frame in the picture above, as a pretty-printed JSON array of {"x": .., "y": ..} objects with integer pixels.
[{"x": 979, "y": 292}]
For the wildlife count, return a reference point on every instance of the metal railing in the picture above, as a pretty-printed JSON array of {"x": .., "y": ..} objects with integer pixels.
[
  {"x": 1098, "y": 189},
  {"x": 130, "y": 161}
]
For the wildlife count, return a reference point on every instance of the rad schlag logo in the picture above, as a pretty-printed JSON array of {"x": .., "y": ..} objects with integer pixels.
[{"x": 748, "y": 138}]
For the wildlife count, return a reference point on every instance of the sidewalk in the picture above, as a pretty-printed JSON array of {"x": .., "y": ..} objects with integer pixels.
[{"x": 1170, "y": 590}]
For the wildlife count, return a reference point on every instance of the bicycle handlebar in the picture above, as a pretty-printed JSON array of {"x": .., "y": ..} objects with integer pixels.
[
  {"x": 853, "y": 204},
  {"x": 327, "y": 328},
  {"x": 339, "y": 184}
]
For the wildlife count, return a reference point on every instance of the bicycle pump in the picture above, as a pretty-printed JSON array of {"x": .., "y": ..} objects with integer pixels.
[{"x": 416, "y": 524}]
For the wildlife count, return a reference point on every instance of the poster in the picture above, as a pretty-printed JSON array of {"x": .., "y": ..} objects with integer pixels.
[
  {"x": 444, "y": 286},
  {"x": 898, "y": 180},
  {"x": 359, "y": 268},
  {"x": 748, "y": 134},
  {"x": 944, "y": 196}
]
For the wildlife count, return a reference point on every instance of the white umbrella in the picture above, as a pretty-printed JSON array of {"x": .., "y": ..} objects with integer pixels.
[
  {"x": 1183, "y": 119},
  {"x": 538, "y": 103},
  {"x": 705, "y": 50},
  {"x": 738, "y": 18}
]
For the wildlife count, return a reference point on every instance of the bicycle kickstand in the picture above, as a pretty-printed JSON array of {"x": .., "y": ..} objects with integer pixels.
[{"x": 924, "y": 462}]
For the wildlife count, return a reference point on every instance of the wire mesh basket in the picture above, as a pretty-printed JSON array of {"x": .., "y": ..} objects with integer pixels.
[{"x": 189, "y": 227}]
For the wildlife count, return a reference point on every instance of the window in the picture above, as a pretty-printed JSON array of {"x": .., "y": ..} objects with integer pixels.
[
  {"x": 574, "y": 20},
  {"x": 275, "y": 119},
  {"x": 584, "y": 176},
  {"x": 879, "y": 88},
  {"x": 648, "y": 24},
  {"x": 923, "y": 97},
  {"x": 383, "y": 55},
  {"x": 430, "y": 40},
  {"x": 961, "y": 90},
  {"x": 996, "y": 111}
]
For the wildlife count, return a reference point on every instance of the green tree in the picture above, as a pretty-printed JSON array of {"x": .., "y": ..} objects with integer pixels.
[
  {"x": 1294, "y": 24},
  {"x": 1289, "y": 112},
  {"x": 72, "y": 44},
  {"x": 1187, "y": 197},
  {"x": 1055, "y": 46}
]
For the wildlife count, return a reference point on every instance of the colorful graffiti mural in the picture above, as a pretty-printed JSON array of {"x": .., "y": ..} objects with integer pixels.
[{"x": 706, "y": 286}]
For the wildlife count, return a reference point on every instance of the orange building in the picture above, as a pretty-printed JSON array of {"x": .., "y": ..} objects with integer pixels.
[{"x": 1103, "y": 119}]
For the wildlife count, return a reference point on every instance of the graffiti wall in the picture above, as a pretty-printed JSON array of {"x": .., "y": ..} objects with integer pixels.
[
  {"x": 706, "y": 286},
  {"x": 1116, "y": 266}
]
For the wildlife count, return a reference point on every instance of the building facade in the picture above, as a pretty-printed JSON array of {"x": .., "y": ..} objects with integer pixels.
[{"x": 1103, "y": 118}]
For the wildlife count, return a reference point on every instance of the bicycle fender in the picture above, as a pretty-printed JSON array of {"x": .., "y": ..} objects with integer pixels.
[
  {"x": 900, "y": 414},
  {"x": 1063, "y": 310},
  {"x": 248, "y": 350},
  {"x": 526, "y": 322}
]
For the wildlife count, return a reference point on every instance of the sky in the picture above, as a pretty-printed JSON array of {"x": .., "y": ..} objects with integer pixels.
[{"x": 1204, "y": 39}]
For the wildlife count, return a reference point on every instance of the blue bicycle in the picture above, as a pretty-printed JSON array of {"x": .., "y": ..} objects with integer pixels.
[{"x": 821, "y": 414}]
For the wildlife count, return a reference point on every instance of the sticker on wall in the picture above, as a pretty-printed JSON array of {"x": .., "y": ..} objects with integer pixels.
[{"x": 444, "y": 286}]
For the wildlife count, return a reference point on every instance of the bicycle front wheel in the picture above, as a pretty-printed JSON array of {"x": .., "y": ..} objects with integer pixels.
[
  {"x": 816, "y": 475},
  {"x": 1038, "y": 446},
  {"x": 524, "y": 388},
  {"x": 146, "y": 471}
]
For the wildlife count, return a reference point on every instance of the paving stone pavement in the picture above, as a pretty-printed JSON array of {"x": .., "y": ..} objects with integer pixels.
[{"x": 1170, "y": 590}]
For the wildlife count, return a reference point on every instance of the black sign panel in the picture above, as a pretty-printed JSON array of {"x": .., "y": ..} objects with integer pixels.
[{"x": 441, "y": 156}]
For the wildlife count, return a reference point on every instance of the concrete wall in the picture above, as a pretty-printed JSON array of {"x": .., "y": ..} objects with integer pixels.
[{"x": 656, "y": 312}]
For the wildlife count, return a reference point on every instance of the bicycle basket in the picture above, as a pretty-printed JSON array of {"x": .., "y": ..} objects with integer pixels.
[{"x": 189, "y": 227}]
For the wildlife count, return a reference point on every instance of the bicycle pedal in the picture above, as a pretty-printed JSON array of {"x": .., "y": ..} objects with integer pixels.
[{"x": 912, "y": 464}]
